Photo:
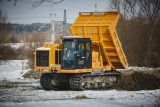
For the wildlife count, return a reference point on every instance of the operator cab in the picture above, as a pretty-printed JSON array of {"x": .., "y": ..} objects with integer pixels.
[{"x": 76, "y": 53}]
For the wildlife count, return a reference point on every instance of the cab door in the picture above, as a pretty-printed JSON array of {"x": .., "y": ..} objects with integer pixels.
[{"x": 83, "y": 54}]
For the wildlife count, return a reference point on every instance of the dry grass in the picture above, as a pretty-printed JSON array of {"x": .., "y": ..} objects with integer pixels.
[
  {"x": 32, "y": 74},
  {"x": 138, "y": 80}
]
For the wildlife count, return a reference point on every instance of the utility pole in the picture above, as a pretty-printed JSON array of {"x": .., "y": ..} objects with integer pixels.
[
  {"x": 65, "y": 24},
  {"x": 95, "y": 6},
  {"x": 52, "y": 15}
]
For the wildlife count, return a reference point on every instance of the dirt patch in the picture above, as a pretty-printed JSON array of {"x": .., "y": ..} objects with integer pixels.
[
  {"x": 81, "y": 97},
  {"x": 32, "y": 74},
  {"x": 137, "y": 80}
]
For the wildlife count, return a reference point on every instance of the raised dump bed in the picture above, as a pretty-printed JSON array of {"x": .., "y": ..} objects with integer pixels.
[{"x": 100, "y": 27}]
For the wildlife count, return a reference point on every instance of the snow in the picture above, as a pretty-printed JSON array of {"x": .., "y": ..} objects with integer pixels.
[
  {"x": 42, "y": 48},
  {"x": 79, "y": 36},
  {"x": 19, "y": 45},
  {"x": 15, "y": 45},
  {"x": 12, "y": 69},
  {"x": 94, "y": 98},
  {"x": 28, "y": 92},
  {"x": 136, "y": 68},
  {"x": 70, "y": 103}
]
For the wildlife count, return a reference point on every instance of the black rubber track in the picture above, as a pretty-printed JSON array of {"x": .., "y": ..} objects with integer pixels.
[
  {"x": 45, "y": 81},
  {"x": 63, "y": 81},
  {"x": 76, "y": 80}
]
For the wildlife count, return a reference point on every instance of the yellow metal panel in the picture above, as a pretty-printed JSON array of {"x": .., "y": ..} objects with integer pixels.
[
  {"x": 52, "y": 65},
  {"x": 100, "y": 27},
  {"x": 74, "y": 71},
  {"x": 96, "y": 61}
]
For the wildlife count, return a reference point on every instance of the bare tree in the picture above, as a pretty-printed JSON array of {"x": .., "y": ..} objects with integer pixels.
[
  {"x": 40, "y": 2},
  {"x": 14, "y": 1},
  {"x": 150, "y": 9},
  {"x": 4, "y": 28},
  {"x": 138, "y": 30},
  {"x": 127, "y": 8}
]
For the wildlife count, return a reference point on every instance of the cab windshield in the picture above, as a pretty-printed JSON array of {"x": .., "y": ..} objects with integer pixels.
[{"x": 68, "y": 57}]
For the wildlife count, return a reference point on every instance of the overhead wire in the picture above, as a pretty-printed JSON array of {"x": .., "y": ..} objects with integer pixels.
[{"x": 27, "y": 18}]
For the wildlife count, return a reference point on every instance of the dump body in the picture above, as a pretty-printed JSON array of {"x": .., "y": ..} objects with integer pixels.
[{"x": 101, "y": 28}]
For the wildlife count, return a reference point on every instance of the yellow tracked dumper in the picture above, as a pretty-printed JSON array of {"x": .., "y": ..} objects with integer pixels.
[{"x": 88, "y": 59}]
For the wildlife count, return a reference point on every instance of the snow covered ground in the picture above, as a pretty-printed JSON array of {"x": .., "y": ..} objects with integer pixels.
[
  {"x": 16, "y": 91},
  {"x": 12, "y": 69},
  {"x": 14, "y": 45}
]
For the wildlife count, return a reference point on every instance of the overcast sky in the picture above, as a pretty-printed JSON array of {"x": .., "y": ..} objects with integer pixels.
[{"x": 23, "y": 12}]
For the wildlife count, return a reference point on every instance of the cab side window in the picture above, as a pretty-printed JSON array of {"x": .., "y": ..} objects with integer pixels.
[{"x": 83, "y": 54}]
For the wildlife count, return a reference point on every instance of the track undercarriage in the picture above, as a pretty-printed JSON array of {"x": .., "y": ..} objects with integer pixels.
[{"x": 54, "y": 81}]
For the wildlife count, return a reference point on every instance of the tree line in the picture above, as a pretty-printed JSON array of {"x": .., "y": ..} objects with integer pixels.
[{"x": 139, "y": 30}]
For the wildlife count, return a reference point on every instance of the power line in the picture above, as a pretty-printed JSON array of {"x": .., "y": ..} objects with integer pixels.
[{"x": 26, "y": 18}]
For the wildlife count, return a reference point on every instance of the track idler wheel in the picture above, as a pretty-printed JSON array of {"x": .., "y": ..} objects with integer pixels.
[{"x": 46, "y": 81}]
